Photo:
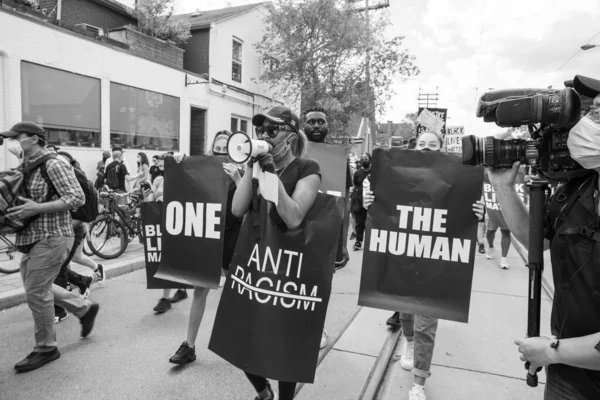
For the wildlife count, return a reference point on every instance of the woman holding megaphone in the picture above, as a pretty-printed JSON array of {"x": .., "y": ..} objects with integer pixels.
[
  {"x": 299, "y": 181},
  {"x": 419, "y": 332}
]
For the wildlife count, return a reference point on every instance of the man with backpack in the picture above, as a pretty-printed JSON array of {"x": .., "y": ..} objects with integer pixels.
[
  {"x": 116, "y": 171},
  {"x": 49, "y": 190}
]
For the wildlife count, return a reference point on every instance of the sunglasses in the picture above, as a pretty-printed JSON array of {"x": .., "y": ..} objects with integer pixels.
[{"x": 271, "y": 130}]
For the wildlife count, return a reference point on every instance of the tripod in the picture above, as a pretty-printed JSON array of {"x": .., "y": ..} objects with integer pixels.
[{"x": 537, "y": 207}]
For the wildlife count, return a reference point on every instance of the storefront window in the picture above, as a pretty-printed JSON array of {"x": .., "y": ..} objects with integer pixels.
[
  {"x": 141, "y": 119},
  {"x": 65, "y": 104}
]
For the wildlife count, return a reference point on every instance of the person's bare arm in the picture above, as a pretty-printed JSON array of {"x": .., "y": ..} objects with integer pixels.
[{"x": 292, "y": 210}]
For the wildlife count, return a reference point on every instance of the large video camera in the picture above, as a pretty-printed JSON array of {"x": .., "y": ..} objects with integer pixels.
[{"x": 554, "y": 111}]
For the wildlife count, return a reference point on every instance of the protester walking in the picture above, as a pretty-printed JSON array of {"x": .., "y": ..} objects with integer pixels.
[
  {"x": 316, "y": 128},
  {"x": 359, "y": 211},
  {"x": 419, "y": 332},
  {"x": 156, "y": 194},
  {"x": 45, "y": 240},
  {"x": 187, "y": 351},
  {"x": 299, "y": 181},
  {"x": 66, "y": 275}
]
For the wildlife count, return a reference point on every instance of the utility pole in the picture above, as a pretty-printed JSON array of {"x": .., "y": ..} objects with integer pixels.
[{"x": 371, "y": 127}]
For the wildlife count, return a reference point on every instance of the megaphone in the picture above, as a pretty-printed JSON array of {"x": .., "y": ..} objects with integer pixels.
[{"x": 242, "y": 148}]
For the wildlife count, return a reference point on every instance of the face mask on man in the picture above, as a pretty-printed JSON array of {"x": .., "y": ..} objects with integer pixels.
[
  {"x": 14, "y": 147},
  {"x": 584, "y": 143},
  {"x": 365, "y": 163}
]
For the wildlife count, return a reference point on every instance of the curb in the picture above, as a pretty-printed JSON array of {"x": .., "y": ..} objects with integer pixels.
[
  {"x": 378, "y": 373},
  {"x": 16, "y": 297}
]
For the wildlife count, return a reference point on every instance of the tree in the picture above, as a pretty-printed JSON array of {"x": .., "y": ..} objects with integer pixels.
[
  {"x": 155, "y": 18},
  {"x": 316, "y": 49}
]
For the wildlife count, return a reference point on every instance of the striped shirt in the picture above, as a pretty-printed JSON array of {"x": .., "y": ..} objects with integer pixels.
[{"x": 69, "y": 191}]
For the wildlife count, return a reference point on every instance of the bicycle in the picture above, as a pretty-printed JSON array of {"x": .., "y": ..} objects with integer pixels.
[
  {"x": 120, "y": 222},
  {"x": 8, "y": 247}
]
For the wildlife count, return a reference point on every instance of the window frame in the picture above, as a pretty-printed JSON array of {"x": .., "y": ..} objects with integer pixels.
[
  {"x": 178, "y": 131},
  {"x": 49, "y": 130},
  {"x": 235, "y": 62}
]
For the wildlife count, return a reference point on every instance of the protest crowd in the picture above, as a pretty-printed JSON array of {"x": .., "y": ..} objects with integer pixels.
[{"x": 267, "y": 217}]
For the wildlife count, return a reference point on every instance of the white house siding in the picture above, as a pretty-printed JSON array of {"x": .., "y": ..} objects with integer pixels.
[{"x": 24, "y": 40}]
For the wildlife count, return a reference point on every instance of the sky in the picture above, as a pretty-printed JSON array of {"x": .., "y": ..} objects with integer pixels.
[{"x": 467, "y": 47}]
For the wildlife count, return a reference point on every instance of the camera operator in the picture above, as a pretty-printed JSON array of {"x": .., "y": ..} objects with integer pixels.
[{"x": 572, "y": 358}]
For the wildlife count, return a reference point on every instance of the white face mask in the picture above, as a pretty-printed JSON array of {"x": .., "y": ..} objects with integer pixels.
[
  {"x": 584, "y": 143},
  {"x": 14, "y": 147}
]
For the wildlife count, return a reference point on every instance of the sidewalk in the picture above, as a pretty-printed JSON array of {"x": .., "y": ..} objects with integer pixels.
[
  {"x": 11, "y": 286},
  {"x": 477, "y": 360}
]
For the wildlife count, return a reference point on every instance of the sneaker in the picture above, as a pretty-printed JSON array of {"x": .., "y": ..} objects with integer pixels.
[
  {"x": 61, "y": 316},
  {"x": 357, "y": 245},
  {"x": 488, "y": 253},
  {"x": 87, "y": 321},
  {"x": 481, "y": 248},
  {"x": 504, "y": 263},
  {"x": 272, "y": 396},
  {"x": 37, "y": 359},
  {"x": 323, "y": 340},
  {"x": 353, "y": 236},
  {"x": 179, "y": 295},
  {"x": 100, "y": 273},
  {"x": 163, "y": 305},
  {"x": 407, "y": 361},
  {"x": 184, "y": 355},
  {"x": 417, "y": 393},
  {"x": 394, "y": 320},
  {"x": 84, "y": 286}
]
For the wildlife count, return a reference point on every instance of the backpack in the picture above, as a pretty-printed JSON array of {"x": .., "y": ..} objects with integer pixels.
[
  {"x": 12, "y": 185},
  {"x": 88, "y": 212},
  {"x": 112, "y": 180}
]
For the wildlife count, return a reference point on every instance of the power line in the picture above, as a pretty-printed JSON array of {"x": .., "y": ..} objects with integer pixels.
[{"x": 573, "y": 56}]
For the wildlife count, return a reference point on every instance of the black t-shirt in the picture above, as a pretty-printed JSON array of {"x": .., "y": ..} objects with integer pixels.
[
  {"x": 576, "y": 273},
  {"x": 298, "y": 169},
  {"x": 121, "y": 173},
  {"x": 154, "y": 172}
]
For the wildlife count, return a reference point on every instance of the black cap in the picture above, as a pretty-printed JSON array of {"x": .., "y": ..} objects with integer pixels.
[
  {"x": 278, "y": 115},
  {"x": 586, "y": 86},
  {"x": 117, "y": 148},
  {"x": 28, "y": 128}
]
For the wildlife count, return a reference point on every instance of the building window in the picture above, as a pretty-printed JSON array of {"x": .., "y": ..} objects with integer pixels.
[
  {"x": 141, "y": 119},
  {"x": 239, "y": 124},
  {"x": 236, "y": 63},
  {"x": 65, "y": 104}
]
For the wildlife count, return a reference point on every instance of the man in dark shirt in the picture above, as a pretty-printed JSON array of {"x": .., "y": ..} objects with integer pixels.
[
  {"x": 360, "y": 213},
  {"x": 120, "y": 170},
  {"x": 572, "y": 234}
]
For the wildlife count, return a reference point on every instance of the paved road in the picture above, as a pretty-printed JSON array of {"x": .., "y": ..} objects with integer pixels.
[{"x": 126, "y": 356}]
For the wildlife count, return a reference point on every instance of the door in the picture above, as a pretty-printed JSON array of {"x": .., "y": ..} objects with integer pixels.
[{"x": 197, "y": 131}]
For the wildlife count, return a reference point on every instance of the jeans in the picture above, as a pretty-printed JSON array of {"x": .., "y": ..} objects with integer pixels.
[
  {"x": 422, "y": 331},
  {"x": 39, "y": 268}
]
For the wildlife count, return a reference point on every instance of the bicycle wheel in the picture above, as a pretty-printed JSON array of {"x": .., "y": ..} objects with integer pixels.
[
  {"x": 108, "y": 237},
  {"x": 86, "y": 247},
  {"x": 8, "y": 265}
]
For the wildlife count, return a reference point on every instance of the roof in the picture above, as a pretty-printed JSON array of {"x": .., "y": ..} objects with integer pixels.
[{"x": 203, "y": 19}]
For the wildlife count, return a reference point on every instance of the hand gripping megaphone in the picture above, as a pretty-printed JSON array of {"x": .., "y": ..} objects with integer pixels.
[{"x": 242, "y": 148}]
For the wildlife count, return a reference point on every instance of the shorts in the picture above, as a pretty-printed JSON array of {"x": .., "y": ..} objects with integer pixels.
[{"x": 492, "y": 225}]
